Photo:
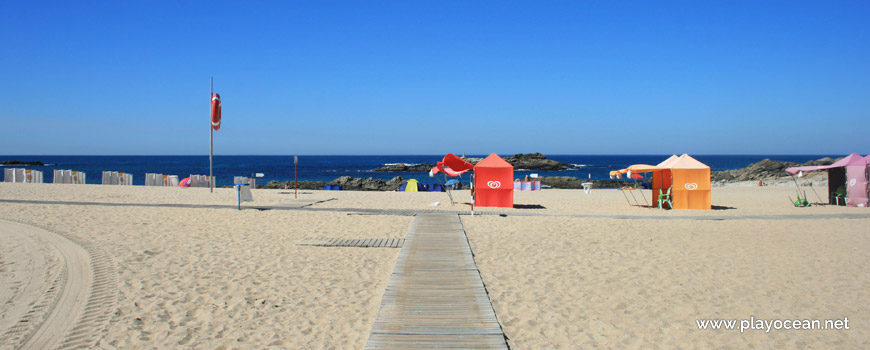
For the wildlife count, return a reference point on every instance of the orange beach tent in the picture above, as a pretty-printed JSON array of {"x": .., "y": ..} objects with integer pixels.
[
  {"x": 688, "y": 179},
  {"x": 691, "y": 183}
]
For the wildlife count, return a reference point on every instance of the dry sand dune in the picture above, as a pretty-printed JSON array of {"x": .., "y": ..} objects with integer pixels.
[{"x": 211, "y": 278}]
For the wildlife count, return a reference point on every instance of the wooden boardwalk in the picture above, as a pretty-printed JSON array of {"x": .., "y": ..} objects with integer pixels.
[{"x": 435, "y": 297}]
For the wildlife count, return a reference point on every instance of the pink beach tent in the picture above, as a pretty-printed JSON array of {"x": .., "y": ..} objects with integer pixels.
[{"x": 851, "y": 172}]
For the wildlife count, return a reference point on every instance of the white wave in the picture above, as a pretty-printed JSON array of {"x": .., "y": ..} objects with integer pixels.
[
  {"x": 580, "y": 165},
  {"x": 406, "y": 164}
]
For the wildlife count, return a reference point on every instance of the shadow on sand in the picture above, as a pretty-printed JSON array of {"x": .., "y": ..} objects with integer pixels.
[
  {"x": 721, "y": 207},
  {"x": 529, "y": 206}
]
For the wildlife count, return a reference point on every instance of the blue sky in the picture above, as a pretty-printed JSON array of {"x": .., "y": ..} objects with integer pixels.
[{"x": 431, "y": 77}]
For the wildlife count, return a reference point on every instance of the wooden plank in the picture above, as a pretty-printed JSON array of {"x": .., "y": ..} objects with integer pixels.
[{"x": 435, "y": 297}]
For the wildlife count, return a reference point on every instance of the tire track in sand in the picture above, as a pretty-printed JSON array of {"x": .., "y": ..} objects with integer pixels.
[{"x": 65, "y": 310}]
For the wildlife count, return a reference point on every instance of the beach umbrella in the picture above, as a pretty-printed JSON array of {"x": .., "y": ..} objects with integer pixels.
[
  {"x": 452, "y": 166},
  {"x": 636, "y": 176},
  {"x": 184, "y": 182}
]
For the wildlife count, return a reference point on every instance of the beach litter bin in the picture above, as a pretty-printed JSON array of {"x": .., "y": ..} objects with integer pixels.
[{"x": 243, "y": 193}]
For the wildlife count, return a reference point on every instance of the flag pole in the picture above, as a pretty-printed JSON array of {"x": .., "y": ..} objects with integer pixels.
[
  {"x": 210, "y": 140},
  {"x": 295, "y": 177}
]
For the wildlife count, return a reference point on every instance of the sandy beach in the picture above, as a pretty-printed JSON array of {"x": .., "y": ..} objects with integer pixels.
[{"x": 566, "y": 270}]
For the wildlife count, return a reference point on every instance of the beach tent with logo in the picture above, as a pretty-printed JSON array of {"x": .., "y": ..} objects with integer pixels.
[
  {"x": 691, "y": 183},
  {"x": 493, "y": 183},
  {"x": 853, "y": 172},
  {"x": 688, "y": 179}
]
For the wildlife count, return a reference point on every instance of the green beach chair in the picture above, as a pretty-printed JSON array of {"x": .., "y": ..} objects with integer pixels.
[
  {"x": 665, "y": 198},
  {"x": 801, "y": 201},
  {"x": 840, "y": 194}
]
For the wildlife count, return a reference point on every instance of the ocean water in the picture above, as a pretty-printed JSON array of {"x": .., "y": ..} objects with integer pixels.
[{"x": 327, "y": 168}]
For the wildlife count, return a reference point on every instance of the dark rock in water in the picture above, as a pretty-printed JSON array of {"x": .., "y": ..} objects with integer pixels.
[
  {"x": 531, "y": 161},
  {"x": 402, "y": 167},
  {"x": 349, "y": 183},
  {"x": 765, "y": 169},
  {"x": 536, "y": 161},
  {"x": 18, "y": 162}
]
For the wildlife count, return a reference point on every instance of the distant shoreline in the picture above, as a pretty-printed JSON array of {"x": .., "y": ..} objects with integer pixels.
[{"x": 329, "y": 168}]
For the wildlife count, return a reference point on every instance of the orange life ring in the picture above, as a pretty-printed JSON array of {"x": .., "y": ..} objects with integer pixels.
[{"x": 216, "y": 111}]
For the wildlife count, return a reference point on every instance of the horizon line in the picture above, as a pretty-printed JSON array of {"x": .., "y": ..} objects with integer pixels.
[{"x": 409, "y": 154}]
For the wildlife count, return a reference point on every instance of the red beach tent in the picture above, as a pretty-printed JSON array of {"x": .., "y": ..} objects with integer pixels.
[{"x": 493, "y": 183}]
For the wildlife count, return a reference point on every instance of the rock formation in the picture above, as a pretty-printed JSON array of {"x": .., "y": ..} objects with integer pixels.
[
  {"x": 350, "y": 183},
  {"x": 402, "y": 167},
  {"x": 530, "y": 161},
  {"x": 346, "y": 182},
  {"x": 18, "y": 162},
  {"x": 536, "y": 161},
  {"x": 763, "y": 170}
]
